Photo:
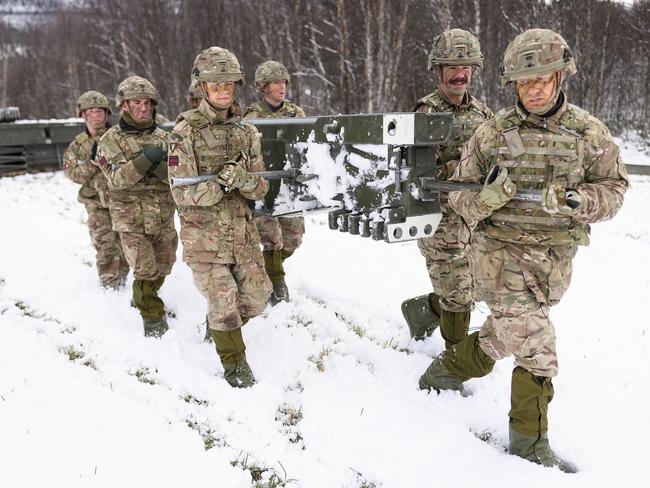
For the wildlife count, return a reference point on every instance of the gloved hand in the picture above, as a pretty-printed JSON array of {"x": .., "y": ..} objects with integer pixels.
[
  {"x": 561, "y": 201},
  {"x": 236, "y": 176},
  {"x": 497, "y": 190},
  {"x": 149, "y": 159}
]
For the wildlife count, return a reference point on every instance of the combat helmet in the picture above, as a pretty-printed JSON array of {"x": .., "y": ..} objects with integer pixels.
[
  {"x": 455, "y": 47},
  {"x": 136, "y": 87},
  {"x": 217, "y": 65},
  {"x": 92, "y": 99},
  {"x": 536, "y": 52},
  {"x": 194, "y": 90},
  {"x": 270, "y": 71}
]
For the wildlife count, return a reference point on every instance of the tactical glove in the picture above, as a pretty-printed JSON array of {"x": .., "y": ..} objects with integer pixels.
[
  {"x": 160, "y": 171},
  {"x": 497, "y": 190},
  {"x": 149, "y": 159},
  {"x": 236, "y": 176},
  {"x": 561, "y": 201}
]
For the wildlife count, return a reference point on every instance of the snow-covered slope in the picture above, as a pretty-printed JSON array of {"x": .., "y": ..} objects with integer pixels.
[{"x": 87, "y": 401}]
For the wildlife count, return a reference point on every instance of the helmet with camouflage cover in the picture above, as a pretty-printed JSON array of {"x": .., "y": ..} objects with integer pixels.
[
  {"x": 217, "y": 65},
  {"x": 270, "y": 71},
  {"x": 136, "y": 87},
  {"x": 92, "y": 99},
  {"x": 455, "y": 47},
  {"x": 194, "y": 90},
  {"x": 536, "y": 52}
]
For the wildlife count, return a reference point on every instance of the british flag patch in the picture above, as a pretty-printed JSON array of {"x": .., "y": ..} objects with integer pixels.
[{"x": 172, "y": 161}]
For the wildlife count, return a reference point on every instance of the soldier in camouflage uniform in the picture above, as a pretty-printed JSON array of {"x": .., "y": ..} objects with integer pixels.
[
  {"x": 280, "y": 236},
  {"x": 455, "y": 55},
  {"x": 131, "y": 156},
  {"x": 194, "y": 95},
  {"x": 111, "y": 265},
  {"x": 522, "y": 252},
  {"x": 220, "y": 241}
]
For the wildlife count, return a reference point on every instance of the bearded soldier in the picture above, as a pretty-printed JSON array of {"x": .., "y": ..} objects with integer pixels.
[
  {"x": 132, "y": 158},
  {"x": 111, "y": 265},
  {"x": 220, "y": 241},
  {"x": 521, "y": 251},
  {"x": 455, "y": 55},
  {"x": 280, "y": 236}
]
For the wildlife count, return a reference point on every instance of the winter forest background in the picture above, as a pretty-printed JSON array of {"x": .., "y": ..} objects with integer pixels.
[{"x": 344, "y": 56}]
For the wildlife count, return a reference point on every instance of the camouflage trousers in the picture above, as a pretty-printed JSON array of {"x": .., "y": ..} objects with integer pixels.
[
  {"x": 112, "y": 267},
  {"x": 450, "y": 275},
  {"x": 519, "y": 284},
  {"x": 233, "y": 291},
  {"x": 150, "y": 256},
  {"x": 280, "y": 233}
]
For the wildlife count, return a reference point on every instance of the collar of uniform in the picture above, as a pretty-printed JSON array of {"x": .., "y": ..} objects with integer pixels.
[
  {"x": 215, "y": 116},
  {"x": 274, "y": 108},
  {"x": 541, "y": 121},
  {"x": 464, "y": 105},
  {"x": 127, "y": 124}
]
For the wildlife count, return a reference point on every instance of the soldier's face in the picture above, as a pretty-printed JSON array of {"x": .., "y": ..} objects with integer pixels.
[
  {"x": 276, "y": 91},
  {"x": 140, "y": 109},
  {"x": 536, "y": 92},
  {"x": 221, "y": 95},
  {"x": 456, "y": 79},
  {"x": 95, "y": 118}
]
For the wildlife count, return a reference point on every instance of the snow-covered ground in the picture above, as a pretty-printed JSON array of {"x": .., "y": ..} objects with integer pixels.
[
  {"x": 87, "y": 401},
  {"x": 634, "y": 148}
]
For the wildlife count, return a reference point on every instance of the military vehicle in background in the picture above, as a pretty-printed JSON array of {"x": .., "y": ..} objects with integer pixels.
[{"x": 33, "y": 145}]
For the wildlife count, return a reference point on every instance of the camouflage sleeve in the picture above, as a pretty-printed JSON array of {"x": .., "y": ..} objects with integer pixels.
[
  {"x": 119, "y": 172},
  {"x": 251, "y": 113},
  {"x": 300, "y": 112},
  {"x": 255, "y": 163},
  {"x": 606, "y": 179},
  {"x": 76, "y": 166},
  {"x": 472, "y": 168},
  {"x": 181, "y": 162}
]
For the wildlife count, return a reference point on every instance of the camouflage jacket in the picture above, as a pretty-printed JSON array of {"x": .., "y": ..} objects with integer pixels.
[
  {"x": 467, "y": 116},
  {"x": 571, "y": 148},
  {"x": 451, "y": 232},
  {"x": 77, "y": 167},
  {"x": 260, "y": 110},
  {"x": 216, "y": 226},
  {"x": 138, "y": 202}
]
